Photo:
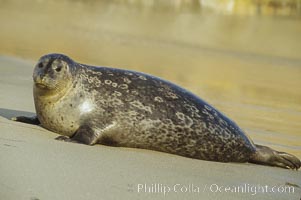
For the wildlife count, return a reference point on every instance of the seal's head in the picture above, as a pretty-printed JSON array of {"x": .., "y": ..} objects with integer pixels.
[{"x": 53, "y": 74}]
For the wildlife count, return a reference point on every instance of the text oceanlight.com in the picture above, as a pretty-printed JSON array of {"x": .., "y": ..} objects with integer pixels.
[{"x": 165, "y": 189}]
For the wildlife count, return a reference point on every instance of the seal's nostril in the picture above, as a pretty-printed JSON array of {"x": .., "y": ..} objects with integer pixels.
[{"x": 58, "y": 69}]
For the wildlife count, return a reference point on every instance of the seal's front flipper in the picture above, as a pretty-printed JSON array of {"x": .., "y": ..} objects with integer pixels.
[
  {"x": 84, "y": 135},
  {"x": 267, "y": 156},
  {"x": 28, "y": 120},
  {"x": 66, "y": 139}
]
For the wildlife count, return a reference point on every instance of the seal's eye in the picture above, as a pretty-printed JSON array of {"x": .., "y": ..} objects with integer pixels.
[{"x": 40, "y": 65}]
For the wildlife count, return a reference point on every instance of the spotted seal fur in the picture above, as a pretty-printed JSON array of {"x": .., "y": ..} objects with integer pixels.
[{"x": 90, "y": 105}]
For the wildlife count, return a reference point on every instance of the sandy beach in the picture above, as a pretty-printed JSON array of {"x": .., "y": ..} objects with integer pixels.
[{"x": 35, "y": 166}]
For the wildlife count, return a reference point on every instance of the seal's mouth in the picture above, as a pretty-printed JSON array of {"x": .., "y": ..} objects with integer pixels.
[{"x": 41, "y": 85}]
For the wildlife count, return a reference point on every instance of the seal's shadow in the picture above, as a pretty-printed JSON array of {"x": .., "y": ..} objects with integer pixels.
[{"x": 8, "y": 113}]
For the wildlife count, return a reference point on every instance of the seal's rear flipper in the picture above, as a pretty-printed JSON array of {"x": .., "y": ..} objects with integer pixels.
[
  {"x": 267, "y": 156},
  {"x": 28, "y": 120}
]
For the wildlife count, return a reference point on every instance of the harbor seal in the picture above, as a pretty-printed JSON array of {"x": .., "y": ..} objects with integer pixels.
[{"x": 116, "y": 107}]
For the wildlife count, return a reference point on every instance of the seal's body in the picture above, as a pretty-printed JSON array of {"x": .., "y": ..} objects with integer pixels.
[{"x": 118, "y": 107}]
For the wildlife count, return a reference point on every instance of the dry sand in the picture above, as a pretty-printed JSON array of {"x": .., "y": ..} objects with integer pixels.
[{"x": 35, "y": 166}]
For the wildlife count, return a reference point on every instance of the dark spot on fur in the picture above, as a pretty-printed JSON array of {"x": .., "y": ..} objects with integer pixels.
[
  {"x": 150, "y": 136},
  {"x": 70, "y": 104},
  {"x": 178, "y": 129}
]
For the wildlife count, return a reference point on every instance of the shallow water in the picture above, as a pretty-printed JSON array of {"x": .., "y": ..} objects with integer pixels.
[{"x": 246, "y": 65}]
